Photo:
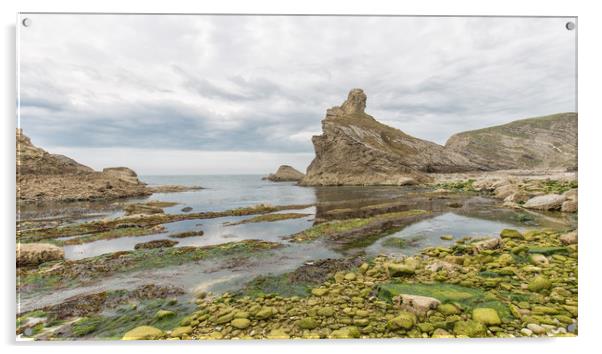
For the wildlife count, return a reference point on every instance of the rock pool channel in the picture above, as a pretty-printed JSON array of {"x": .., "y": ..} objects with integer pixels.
[{"x": 447, "y": 219}]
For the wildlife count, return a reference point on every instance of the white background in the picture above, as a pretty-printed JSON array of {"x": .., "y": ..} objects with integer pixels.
[{"x": 590, "y": 179}]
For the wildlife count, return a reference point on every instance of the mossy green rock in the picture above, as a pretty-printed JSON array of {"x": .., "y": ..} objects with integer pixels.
[
  {"x": 470, "y": 328},
  {"x": 486, "y": 316},
  {"x": 307, "y": 323},
  {"x": 404, "y": 320},
  {"x": 240, "y": 323},
  {"x": 345, "y": 333},
  {"x": 143, "y": 333},
  {"x": 181, "y": 331},
  {"x": 512, "y": 234},
  {"x": 326, "y": 311},
  {"x": 319, "y": 291},
  {"x": 350, "y": 276},
  {"x": 399, "y": 270},
  {"x": 539, "y": 283},
  {"x": 161, "y": 314},
  {"x": 278, "y": 334},
  {"x": 264, "y": 313},
  {"x": 449, "y": 309}
]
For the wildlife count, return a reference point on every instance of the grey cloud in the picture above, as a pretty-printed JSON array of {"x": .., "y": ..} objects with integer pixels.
[{"x": 254, "y": 83}]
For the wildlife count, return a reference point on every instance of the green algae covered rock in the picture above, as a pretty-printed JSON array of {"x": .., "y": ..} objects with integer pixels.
[
  {"x": 441, "y": 333},
  {"x": 181, "y": 331},
  {"x": 470, "y": 328},
  {"x": 326, "y": 311},
  {"x": 345, "y": 333},
  {"x": 307, "y": 323},
  {"x": 399, "y": 270},
  {"x": 512, "y": 234},
  {"x": 264, "y": 313},
  {"x": 161, "y": 314},
  {"x": 449, "y": 309},
  {"x": 143, "y": 333},
  {"x": 404, "y": 320},
  {"x": 486, "y": 316},
  {"x": 539, "y": 283},
  {"x": 277, "y": 334},
  {"x": 319, "y": 291},
  {"x": 240, "y": 323}
]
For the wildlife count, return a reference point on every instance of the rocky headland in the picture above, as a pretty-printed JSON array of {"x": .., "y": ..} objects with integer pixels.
[
  {"x": 285, "y": 173},
  {"x": 42, "y": 176},
  {"x": 356, "y": 149}
]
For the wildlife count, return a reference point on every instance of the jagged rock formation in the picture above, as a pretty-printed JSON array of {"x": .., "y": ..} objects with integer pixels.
[
  {"x": 285, "y": 173},
  {"x": 548, "y": 142},
  {"x": 42, "y": 176},
  {"x": 355, "y": 149}
]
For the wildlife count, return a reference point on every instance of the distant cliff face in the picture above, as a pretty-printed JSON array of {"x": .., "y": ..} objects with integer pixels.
[
  {"x": 42, "y": 176},
  {"x": 355, "y": 149},
  {"x": 548, "y": 142}
]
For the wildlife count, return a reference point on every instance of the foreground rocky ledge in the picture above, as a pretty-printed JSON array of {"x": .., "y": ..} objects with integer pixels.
[{"x": 521, "y": 285}]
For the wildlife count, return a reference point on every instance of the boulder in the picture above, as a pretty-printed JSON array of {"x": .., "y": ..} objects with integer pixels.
[
  {"x": 470, "y": 328},
  {"x": 545, "y": 202},
  {"x": 569, "y": 206},
  {"x": 285, "y": 173},
  {"x": 404, "y": 320},
  {"x": 489, "y": 244},
  {"x": 33, "y": 254},
  {"x": 511, "y": 234},
  {"x": 143, "y": 333},
  {"x": 486, "y": 316},
  {"x": 569, "y": 238},
  {"x": 417, "y": 304},
  {"x": 240, "y": 323}
]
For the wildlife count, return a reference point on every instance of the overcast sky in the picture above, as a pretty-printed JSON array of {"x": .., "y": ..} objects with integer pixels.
[{"x": 244, "y": 94}]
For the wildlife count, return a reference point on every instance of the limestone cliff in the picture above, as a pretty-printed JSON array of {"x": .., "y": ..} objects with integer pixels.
[
  {"x": 548, "y": 142},
  {"x": 355, "y": 149},
  {"x": 42, "y": 176}
]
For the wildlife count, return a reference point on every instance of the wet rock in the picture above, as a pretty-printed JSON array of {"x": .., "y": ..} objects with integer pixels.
[
  {"x": 419, "y": 305},
  {"x": 545, "y": 202},
  {"x": 569, "y": 206},
  {"x": 181, "y": 331},
  {"x": 161, "y": 314},
  {"x": 319, "y": 271},
  {"x": 511, "y": 234},
  {"x": 489, "y": 244},
  {"x": 486, "y": 316},
  {"x": 240, "y": 323},
  {"x": 535, "y": 328},
  {"x": 278, "y": 334},
  {"x": 186, "y": 209},
  {"x": 264, "y": 313},
  {"x": 539, "y": 283},
  {"x": 33, "y": 254},
  {"x": 155, "y": 244},
  {"x": 403, "y": 320},
  {"x": 569, "y": 238},
  {"x": 307, "y": 323},
  {"x": 449, "y": 309},
  {"x": 400, "y": 270},
  {"x": 142, "y": 209},
  {"x": 441, "y": 333},
  {"x": 447, "y": 237},
  {"x": 470, "y": 328},
  {"x": 143, "y": 333},
  {"x": 539, "y": 260},
  {"x": 345, "y": 333}
]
